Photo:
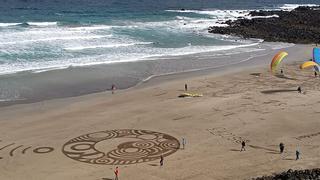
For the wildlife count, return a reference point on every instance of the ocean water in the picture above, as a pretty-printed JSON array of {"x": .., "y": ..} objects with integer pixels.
[{"x": 41, "y": 35}]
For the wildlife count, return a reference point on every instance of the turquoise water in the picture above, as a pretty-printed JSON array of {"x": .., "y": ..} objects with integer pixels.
[{"x": 44, "y": 35}]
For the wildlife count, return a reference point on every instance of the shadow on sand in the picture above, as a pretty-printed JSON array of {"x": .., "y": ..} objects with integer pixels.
[
  {"x": 264, "y": 148},
  {"x": 273, "y": 152},
  {"x": 153, "y": 164},
  {"x": 106, "y": 179},
  {"x": 277, "y": 91},
  {"x": 289, "y": 159},
  {"x": 284, "y": 77},
  {"x": 237, "y": 150},
  {"x": 255, "y": 74}
]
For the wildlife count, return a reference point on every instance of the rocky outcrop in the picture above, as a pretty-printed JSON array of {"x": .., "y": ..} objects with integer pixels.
[
  {"x": 313, "y": 174},
  {"x": 302, "y": 25}
]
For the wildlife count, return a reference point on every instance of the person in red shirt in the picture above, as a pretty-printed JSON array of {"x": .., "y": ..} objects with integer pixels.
[{"x": 116, "y": 173}]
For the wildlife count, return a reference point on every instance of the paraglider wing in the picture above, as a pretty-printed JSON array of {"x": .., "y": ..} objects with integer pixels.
[
  {"x": 277, "y": 59},
  {"x": 316, "y": 55},
  {"x": 309, "y": 64}
]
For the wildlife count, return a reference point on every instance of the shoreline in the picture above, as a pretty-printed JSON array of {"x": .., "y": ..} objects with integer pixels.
[{"x": 73, "y": 82}]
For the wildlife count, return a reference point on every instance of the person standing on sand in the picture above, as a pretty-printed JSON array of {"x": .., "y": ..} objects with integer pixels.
[
  {"x": 281, "y": 71},
  {"x": 113, "y": 88},
  {"x": 183, "y": 142},
  {"x": 297, "y": 154},
  {"x": 243, "y": 145},
  {"x": 161, "y": 160},
  {"x": 315, "y": 74},
  {"x": 116, "y": 173},
  {"x": 299, "y": 89},
  {"x": 281, "y": 146},
  {"x": 185, "y": 87}
]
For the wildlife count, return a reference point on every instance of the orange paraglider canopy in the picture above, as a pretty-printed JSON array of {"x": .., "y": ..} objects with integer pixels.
[{"x": 276, "y": 60}]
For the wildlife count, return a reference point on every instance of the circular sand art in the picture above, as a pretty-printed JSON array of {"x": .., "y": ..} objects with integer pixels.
[{"x": 120, "y": 147}]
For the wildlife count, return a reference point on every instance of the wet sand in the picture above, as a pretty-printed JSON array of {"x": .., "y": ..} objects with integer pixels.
[
  {"x": 28, "y": 87},
  {"x": 238, "y": 104}
]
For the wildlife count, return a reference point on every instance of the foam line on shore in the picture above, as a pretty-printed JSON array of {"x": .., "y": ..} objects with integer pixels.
[{"x": 201, "y": 69}]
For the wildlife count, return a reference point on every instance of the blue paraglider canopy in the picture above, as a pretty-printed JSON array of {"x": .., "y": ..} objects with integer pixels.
[{"x": 316, "y": 55}]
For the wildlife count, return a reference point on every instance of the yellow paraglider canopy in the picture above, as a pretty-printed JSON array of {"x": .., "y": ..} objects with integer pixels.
[{"x": 308, "y": 64}]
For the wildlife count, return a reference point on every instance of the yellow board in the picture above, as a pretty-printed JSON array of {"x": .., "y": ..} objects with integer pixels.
[{"x": 190, "y": 95}]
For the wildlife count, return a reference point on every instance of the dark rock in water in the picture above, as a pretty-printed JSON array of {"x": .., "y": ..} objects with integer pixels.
[
  {"x": 308, "y": 174},
  {"x": 259, "y": 13},
  {"x": 302, "y": 25},
  {"x": 182, "y": 9}
]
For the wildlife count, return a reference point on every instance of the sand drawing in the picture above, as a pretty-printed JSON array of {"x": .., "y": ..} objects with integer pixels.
[
  {"x": 43, "y": 150},
  {"x": 13, "y": 149},
  {"x": 120, "y": 147},
  {"x": 6, "y": 146},
  {"x": 308, "y": 136},
  {"x": 225, "y": 134},
  {"x": 114, "y": 147},
  {"x": 25, "y": 149}
]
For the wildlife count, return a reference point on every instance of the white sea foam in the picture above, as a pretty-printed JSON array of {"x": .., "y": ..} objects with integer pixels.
[
  {"x": 78, "y": 48},
  {"x": 146, "y": 54},
  {"x": 24, "y": 45},
  {"x": 90, "y": 28},
  {"x": 181, "y": 24},
  {"x": 202, "y": 49},
  {"x": 8, "y": 24},
  {"x": 218, "y": 17},
  {"x": 216, "y": 13},
  {"x": 263, "y": 17},
  {"x": 42, "y": 24},
  {"x": 56, "y": 39},
  {"x": 278, "y": 45}
]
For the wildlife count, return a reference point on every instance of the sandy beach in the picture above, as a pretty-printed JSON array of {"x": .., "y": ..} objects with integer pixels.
[{"x": 133, "y": 127}]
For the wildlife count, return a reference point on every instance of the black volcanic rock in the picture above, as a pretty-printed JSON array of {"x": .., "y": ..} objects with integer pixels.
[
  {"x": 302, "y": 25},
  {"x": 312, "y": 174}
]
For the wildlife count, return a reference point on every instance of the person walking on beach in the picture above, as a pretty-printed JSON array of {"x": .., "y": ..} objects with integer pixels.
[
  {"x": 315, "y": 74},
  {"x": 161, "y": 160},
  {"x": 281, "y": 71},
  {"x": 299, "y": 89},
  {"x": 243, "y": 145},
  {"x": 281, "y": 146},
  {"x": 113, "y": 88},
  {"x": 297, "y": 154},
  {"x": 116, "y": 173},
  {"x": 185, "y": 87},
  {"x": 183, "y": 143}
]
